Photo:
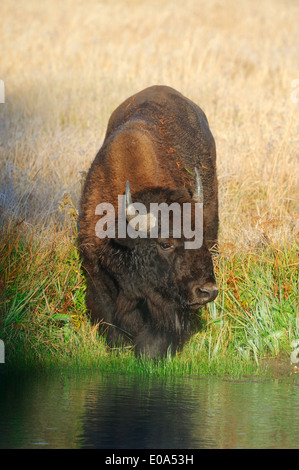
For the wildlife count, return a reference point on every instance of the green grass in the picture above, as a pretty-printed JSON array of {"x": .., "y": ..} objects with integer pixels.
[
  {"x": 51, "y": 127},
  {"x": 44, "y": 323}
]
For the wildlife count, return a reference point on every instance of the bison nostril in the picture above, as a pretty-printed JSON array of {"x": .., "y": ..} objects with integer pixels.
[
  {"x": 211, "y": 293},
  {"x": 206, "y": 293}
]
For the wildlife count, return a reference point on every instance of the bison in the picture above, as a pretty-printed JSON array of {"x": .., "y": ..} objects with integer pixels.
[{"x": 158, "y": 148}]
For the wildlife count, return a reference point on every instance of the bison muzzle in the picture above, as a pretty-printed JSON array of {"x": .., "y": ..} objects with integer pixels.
[{"x": 158, "y": 149}]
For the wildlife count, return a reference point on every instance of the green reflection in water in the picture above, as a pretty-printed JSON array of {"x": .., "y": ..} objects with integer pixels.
[{"x": 109, "y": 411}]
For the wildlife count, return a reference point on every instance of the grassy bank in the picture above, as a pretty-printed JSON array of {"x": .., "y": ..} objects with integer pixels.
[
  {"x": 44, "y": 322},
  {"x": 65, "y": 69}
]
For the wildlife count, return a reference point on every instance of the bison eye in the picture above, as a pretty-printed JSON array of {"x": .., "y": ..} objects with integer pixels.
[{"x": 166, "y": 245}]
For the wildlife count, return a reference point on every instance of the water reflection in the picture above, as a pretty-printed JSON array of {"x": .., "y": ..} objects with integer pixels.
[
  {"x": 140, "y": 414},
  {"x": 92, "y": 410}
]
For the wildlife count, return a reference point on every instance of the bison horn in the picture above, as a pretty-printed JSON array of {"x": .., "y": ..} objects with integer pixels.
[
  {"x": 128, "y": 195},
  {"x": 130, "y": 211},
  {"x": 198, "y": 195},
  {"x": 146, "y": 222}
]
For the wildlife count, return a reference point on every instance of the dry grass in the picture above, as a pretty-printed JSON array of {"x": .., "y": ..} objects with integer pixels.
[{"x": 67, "y": 66}]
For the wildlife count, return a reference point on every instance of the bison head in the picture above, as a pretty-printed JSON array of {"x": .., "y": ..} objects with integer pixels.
[{"x": 161, "y": 270}]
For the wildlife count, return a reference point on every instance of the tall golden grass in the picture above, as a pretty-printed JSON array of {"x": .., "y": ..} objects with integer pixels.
[{"x": 67, "y": 65}]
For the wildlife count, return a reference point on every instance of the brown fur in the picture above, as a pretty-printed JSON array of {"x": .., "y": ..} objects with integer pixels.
[{"x": 154, "y": 139}]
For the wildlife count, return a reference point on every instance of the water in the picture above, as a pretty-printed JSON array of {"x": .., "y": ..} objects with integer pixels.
[{"x": 123, "y": 412}]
